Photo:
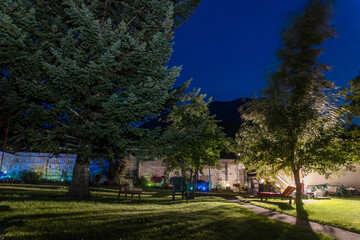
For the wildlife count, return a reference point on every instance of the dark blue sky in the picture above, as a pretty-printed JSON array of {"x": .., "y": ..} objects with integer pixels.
[{"x": 227, "y": 46}]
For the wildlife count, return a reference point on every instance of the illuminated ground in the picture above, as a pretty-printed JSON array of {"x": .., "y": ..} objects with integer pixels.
[
  {"x": 340, "y": 212},
  {"x": 42, "y": 212}
]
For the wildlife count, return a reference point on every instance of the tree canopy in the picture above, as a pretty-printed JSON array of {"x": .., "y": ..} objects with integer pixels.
[
  {"x": 80, "y": 76},
  {"x": 296, "y": 124},
  {"x": 193, "y": 136}
]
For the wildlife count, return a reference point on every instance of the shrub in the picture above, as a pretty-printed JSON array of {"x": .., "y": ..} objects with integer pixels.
[
  {"x": 143, "y": 181},
  {"x": 109, "y": 183},
  {"x": 156, "y": 179},
  {"x": 64, "y": 174},
  {"x": 29, "y": 177}
]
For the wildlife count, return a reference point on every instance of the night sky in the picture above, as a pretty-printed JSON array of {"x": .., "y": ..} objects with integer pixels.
[{"x": 227, "y": 46}]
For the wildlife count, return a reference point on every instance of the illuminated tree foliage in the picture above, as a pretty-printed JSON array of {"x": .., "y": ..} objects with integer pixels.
[
  {"x": 352, "y": 130},
  {"x": 296, "y": 124},
  {"x": 80, "y": 76},
  {"x": 193, "y": 137}
]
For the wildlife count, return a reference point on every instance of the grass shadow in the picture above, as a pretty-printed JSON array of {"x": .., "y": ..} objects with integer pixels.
[
  {"x": 281, "y": 205},
  {"x": 210, "y": 222},
  {"x": 105, "y": 195}
]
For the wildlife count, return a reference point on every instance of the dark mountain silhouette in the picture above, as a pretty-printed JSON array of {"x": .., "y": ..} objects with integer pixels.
[{"x": 226, "y": 112}]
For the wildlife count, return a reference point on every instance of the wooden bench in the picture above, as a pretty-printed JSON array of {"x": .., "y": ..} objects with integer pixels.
[
  {"x": 126, "y": 187},
  {"x": 285, "y": 194}
]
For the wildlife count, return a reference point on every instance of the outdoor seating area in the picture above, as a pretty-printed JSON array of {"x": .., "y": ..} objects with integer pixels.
[
  {"x": 243, "y": 124},
  {"x": 285, "y": 194},
  {"x": 326, "y": 191},
  {"x": 178, "y": 187},
  {"x": 126, "y": 186}
]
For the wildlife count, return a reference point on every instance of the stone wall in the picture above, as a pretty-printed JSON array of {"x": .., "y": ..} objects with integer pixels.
[
  {"x": 49, "y": 165},
  {"x": 226, "y": 175}
]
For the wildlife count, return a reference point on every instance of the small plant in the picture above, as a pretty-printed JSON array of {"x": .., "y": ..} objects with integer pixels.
[
  {"x": 97, "y": 178},
  {"x": 156, "y": 179},
  {"x": 109, "y": 183},
  {"x": 29, "y": 177},
  {"x": 143, "y": 181}
]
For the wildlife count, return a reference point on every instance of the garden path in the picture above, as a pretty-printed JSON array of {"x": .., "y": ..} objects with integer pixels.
[{"x": 316, "y": 227}]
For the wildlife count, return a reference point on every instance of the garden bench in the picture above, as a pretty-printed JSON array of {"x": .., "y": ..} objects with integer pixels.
[
  {"x": 126, "y": 187},
  {"x": 285, "y": 194}
]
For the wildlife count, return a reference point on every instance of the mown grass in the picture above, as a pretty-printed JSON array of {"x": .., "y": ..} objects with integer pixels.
[
  {"x": 42, "y": 212},
  {"x": 340, "y": 212}
]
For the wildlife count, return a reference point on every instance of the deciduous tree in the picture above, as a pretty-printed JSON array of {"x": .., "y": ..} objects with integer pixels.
[
  {"x": 194, "y": 139},
  {"x": 296, "y": 124}
]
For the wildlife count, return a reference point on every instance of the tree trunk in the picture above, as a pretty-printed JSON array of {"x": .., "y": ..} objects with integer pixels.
[
  {"x": 296, "y": 173},
  {"x": 79, "y": 187},
  {"x": 194, "y": 181},
  {"x": 183, "y": 173},
  {"x": 298, "y": 194}
]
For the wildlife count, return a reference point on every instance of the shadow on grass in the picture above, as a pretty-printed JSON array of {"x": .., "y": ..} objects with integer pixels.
[
  {"x": 5, "y": 208},
  {"x": 99, "y": 195},
  {"x": 302, "y": 218},
  {"x": 209, "y": 222},
  {"x": 281, "y": 205}
]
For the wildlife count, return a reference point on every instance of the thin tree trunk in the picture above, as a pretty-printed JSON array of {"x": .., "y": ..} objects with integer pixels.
[
  {"x": 298, "y": 194},
  {"x": 296, "y": 173},
  {"x": 183, "y": 173},
  {"x": 194, "y": 181},
  {"x": 79, "y": 187},
  {"x": 190, "y": 193}
]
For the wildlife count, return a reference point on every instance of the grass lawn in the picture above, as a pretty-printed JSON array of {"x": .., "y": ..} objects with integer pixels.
[
  {"x": 42, "y": 212},
  {"x": 339, "y": 212}
]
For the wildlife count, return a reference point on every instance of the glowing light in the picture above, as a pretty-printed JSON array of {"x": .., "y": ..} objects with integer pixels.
[
  {"x": 228, "y": 184},
  {"x": 5, "y": 172}
]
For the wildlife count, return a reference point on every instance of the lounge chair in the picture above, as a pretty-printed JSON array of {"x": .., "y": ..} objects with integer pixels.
[{"x": 285, "y": 194}]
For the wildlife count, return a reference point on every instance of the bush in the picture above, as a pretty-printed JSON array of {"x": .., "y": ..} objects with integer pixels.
[
  {"x": 143, "y": 181},
  {"x": 109, "y": 183},
  {"x": 29, "y": 177},
  {"x": 156, "y": 179}
]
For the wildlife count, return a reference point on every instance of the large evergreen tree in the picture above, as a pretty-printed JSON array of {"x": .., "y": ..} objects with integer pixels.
[
  {"x": 80, "y": 76},
  {"x": 296, "y": 123}
]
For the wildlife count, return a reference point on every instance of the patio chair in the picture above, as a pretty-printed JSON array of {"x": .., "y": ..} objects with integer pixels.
[
  {"x": 285, "y": 194},
  {"x": 179, "y": 187},
  {"x": 126, "y": 187}
]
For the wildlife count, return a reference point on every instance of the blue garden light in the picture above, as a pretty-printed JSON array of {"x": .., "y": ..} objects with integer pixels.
[{"x": 202, "y": 186}]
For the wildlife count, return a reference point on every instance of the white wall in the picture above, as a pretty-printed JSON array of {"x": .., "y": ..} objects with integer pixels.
[{"x": 346, "y": 178}]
